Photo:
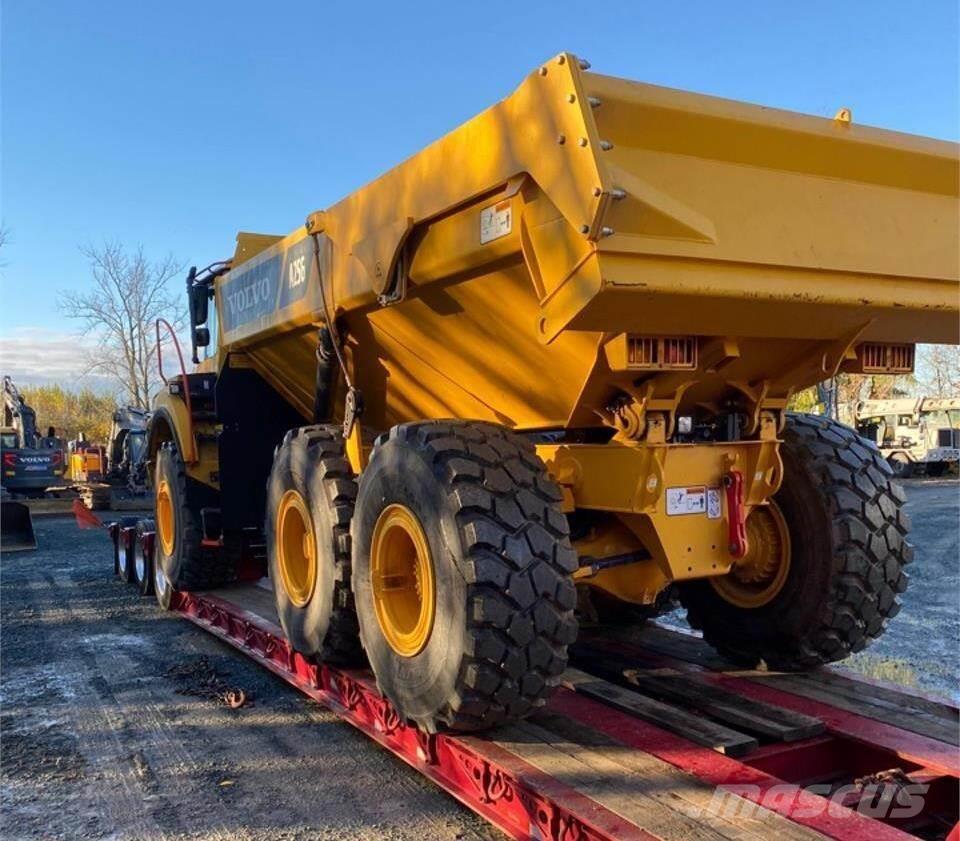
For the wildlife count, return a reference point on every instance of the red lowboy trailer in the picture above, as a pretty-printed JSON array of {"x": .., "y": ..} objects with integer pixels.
[{"x": 651, "y": 736}]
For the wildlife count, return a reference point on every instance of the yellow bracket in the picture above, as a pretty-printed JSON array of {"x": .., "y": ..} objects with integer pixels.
[{"x": 644, "y": 483}]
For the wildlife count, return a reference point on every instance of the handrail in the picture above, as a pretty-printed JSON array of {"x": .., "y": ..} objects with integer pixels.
[{"x": 194, "y": 457}]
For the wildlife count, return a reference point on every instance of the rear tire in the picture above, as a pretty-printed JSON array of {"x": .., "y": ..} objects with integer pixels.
[
  {"x": 499, "y": 561},
  {"x": 314, "y": 601},
  {"x": 847, "y": 528}
]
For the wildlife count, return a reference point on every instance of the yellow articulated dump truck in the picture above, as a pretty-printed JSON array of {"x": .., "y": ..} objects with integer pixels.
[{"x": 539, "y": 374}]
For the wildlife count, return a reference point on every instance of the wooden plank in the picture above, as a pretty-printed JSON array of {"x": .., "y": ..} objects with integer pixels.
[
  {"x": 250, "y": 596},
  {"x": 693, "y": 649},
  {"x": 692, "y": 727},
  {"x": 854, "y": 686},
  {"x": 686, "y": 690},
  {"x": 740, "y": 818},
  {"x": 609, "y": 783},
  {"x": 668, "y": 643},
  {"x": 902, "y": 709},
  {"x": 903, "y": 717},
  {"x": 752, "y": 716}
]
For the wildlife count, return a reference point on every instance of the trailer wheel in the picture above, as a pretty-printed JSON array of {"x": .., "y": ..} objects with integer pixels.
[
  {"x": 310, "y": 498},
  {"x": 126, "y": 558},
  {"x": 836, "y": 547},
  {"x": 142, "y": 562},
  {"x": 900, "y": 464},
  {"x": 462, "y": 563},
  {"x": 119, "y": 550},
  {"x": 177, "y": 549}
]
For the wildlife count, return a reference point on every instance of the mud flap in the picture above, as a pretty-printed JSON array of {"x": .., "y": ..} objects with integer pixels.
[{"x": 16, "y": 528}]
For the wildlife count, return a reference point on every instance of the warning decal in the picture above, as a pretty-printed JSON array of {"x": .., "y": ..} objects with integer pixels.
[
  {"x": 713, "y": 503},
  {"x": 495, "y": 222},
  {"x": 686, "y": 501}
]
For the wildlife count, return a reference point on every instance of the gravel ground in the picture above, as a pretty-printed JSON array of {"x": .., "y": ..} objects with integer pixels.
[
  {"x": 106, "y": 730},
  {"x": 922, "y": 645}
]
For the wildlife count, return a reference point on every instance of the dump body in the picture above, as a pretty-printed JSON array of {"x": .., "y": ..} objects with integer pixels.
[{"x": 583, "y": 207}]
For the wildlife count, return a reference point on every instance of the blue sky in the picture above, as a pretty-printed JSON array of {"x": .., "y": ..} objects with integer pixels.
[{"x": 177, "y": 124}]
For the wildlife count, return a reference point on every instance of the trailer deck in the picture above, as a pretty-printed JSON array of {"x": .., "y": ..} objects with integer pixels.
[{"x": 654, "y": 736}]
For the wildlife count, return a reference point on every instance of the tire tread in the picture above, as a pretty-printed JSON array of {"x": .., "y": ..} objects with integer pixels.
[
  {"x": 870, "y": 550},
  {"x": 323, "y": 445},
  {"x": 517, "y": 564}
]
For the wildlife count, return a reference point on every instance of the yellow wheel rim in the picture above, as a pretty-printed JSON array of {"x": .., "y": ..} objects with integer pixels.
[
  {"x": 404, "y": 588},
  {"x": 166, "y": 524},
  {"x": 757, "y": 579},
  {"x": 296, "y": 548}
]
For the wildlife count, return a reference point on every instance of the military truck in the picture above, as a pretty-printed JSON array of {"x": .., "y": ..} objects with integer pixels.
[{"x": 914, "y": 434}]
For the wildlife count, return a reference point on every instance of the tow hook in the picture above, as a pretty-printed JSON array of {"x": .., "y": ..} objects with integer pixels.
[{"x": 737, "y": 544}]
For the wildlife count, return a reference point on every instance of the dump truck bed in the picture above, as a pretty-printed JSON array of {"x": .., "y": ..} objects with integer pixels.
[{"x": 584, "y": 205}]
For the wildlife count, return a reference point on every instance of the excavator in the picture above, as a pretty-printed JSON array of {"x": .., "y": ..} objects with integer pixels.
[
  {"x": 31, "y": 464},
  {"x": 114, "y": 474}
]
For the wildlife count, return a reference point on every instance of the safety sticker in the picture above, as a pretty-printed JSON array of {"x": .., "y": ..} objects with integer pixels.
[
  {"x": 495, "y": 222},
  {"x": 686, "y": 501},
  {"x": 713, "y": 503}
]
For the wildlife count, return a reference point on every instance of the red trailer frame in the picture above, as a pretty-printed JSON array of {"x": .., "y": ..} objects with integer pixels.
[{"x": 527, "y": 801}]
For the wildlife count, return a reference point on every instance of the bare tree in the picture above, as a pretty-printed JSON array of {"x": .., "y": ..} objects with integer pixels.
[
  {"x": 129, "y": 294},
  {"x": 938, "y": 370}
]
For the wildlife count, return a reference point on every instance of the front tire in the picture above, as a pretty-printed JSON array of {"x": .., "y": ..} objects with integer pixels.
[
  {"x": 162, "y": 588},
  {"x": 462, "y": 563},
  {"x": 178, "y": 551},
  {"x": 847, "y": 549}
]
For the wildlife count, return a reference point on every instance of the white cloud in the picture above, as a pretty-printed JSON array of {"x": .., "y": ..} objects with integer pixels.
[{"x": 41, "y": 356}]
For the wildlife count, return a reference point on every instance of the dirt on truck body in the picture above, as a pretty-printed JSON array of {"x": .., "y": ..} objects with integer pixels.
[{"x": 542, "y": 367}]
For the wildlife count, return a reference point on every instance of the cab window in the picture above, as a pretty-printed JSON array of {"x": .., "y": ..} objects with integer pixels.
[{"x": 213, "y": 325}]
